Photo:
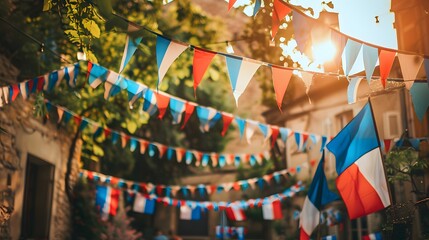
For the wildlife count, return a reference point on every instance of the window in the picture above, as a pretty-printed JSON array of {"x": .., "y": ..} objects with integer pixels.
[
  {"x": 392, "y": 125},
  {"x": 36, "y": 215},
  {"x": 342, "y": 119}
]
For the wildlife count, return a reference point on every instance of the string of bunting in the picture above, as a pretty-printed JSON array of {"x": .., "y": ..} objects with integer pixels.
[
  {"x": 212, "y": 205},
  {"x": 241, "y": 69},
  {"x": 202, "y": 189},
  {"x": 158, "y": 101}
]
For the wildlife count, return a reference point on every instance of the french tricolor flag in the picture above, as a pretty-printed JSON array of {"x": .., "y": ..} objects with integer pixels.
[
  {"x": 188, "y": 213},
  {"x": 373, "y": 236},
  {"x": 143, "y": 204},
  {"x": 235, "y": 213},
  {"x": 361, "y": 178},
  {"x": 107, "y": 200},
  {"x": 272, "y": 211},
  {"x": 318, "y": 196}
]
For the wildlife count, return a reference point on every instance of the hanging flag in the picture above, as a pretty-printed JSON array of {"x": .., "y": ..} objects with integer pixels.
[
  {"x": 388, "y": 145},
  {"x": 235, "y": 213},
  {"x": 114, "y": 84},
  {"x": 410, "y": 66},
  {"x": 201, "y": 62},
  {"x": 420, "y": 96},
  {"x": 150, "y": 104},
  {"x": 189, "y": 109},
  {"x": 240, "y": 72},
  {"x": 208, "y": 117},
  {"x": 324, "y": 140},
  {"x": 280, "y": 11},
  {"x": 162, "y": 101},
  {"x": 285, "y": 133},
  {"x": 307, "y": 78},
  {"x": 135, "y": 91},
  {"x": 131, "y": 45},
  {"x": 370, "y": 57},
  {"x": 188, "y": 213},
  {"x": 281, "y": 79},
  {"x": 70, "y": 74},
  {"x": 386, "y": 63},
  {"x": 373, "y": 236},
  {"x": 177, "y": 107},
  {"x": 272, "y": 210},
  {"x": 318, "y": 196},
  {"x": 351, "y": 52},
  {"x": 352, "y": 89},
  {"x": 241, "y": 123},
  {"x": 240, "y": 233},
  {"x": 143, "y": 204},
  {"x": 166, "y": 52},
  {"x": 256, "y": 7},
  {"x": 23, "y": 88},
  {"x": 96, "y": 74},
  {"x": 106, "y": 200},
  {"x": 13, "y": 92},
  {"x": 226, "y": 119},
  {"x": 251, "y": 126},
  {"x": 361, "y": 178},
  {"x": 301, "y": 27},
  {"x": 301, "y": 141},
  {"x": 231, "y": 4}
]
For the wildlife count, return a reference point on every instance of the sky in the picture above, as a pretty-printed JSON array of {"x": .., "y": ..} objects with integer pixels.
[{"x": 357, "y": 19}]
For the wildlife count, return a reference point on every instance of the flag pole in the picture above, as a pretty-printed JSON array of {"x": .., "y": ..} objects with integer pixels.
[{"x": 379, "y": 148}]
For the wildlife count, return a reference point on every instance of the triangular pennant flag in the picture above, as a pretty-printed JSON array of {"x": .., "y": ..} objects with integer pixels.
[
  {"x": 150, "y": 103},
  {"x": 307, "y": 78},
  {"x": 241, "y": 123},
  {"x": 386, "y": 63},
  {"x": 274, "y": 135},
  {"x": 135, "y": 90},
  {"x": 231, "y": 4},
  {"x": 179, "y": 154},
  {"x": 133, "y": 144},
  {"x": 227, "y": 119},
  {"x": 351, "y": 52},
  {"x": 256, "y": 7},
  {"x": 301, "y": 140},
  {"x": 285, "y": 133},
  {"x": 189, "y": 109},
  {"x": 130, "y": 47},
  {"x": 96, "y": 74},
  {"x": 370, "y": 57},
  {"x": 113, "y": 85},
  {"x": 324, "y": 140},
  {"x": 166, "y": 52},
  {"x": 70, "y": 74},
  {"x": 301, "y": 27},
  {"x": 60, "y": 113},
  {"x": 266, "y": 131},
  {"x": 13, "y": 92},
  {"x": 201, "y": 62},
  {"x": 420, "y": 96},
  {"x": 143, "y": 146},
  {"x": 281, "y": 79},
  {"x": 177, "y": 107},
  {"x": 162, "y": 101},
  {"x": 250, "y": 129},
  {"x": 280, "y": 11},
  {"x": 23, "y": 88},
  {"x": 208, "y": 117},
  {"x": 352, "y": 89},
  {"x": 240, "y": 73},
  {"x": 410, "y": 66}
]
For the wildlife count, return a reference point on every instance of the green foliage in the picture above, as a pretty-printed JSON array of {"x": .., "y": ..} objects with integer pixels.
[{"x": 401, "y": 163}]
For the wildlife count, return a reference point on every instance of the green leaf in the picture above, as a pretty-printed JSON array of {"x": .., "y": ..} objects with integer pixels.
[
  {"x": 97, "y": 150},
  {"x": 131, "y": 126},
  {"x": 92, "y": 27}
]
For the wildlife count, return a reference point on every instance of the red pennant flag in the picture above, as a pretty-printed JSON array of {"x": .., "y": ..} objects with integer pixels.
[
  {"x": 189, "y": 109},
  {"x": 386, "y": 62},
  {"x": 227, "y": 119},
  {"x": 40, "y": 83},
  {"x": 179, "y": 154},
  {"x": 198, "y": 156},
  {"x": 143, "y": 146},
  {"x": 280, "y": 11},
  {"x": 215, "y": 159},
  {"x": 107, "y": 132},
  {"x": 113, "y": 181},
  {"x": 231, "y": 3},
  {"x": 159, "y": 190},
  {"x": 281, "y": 79},
  {"x": 15, "y": 91},
  {"x": 162, "y": 102},
  {"x": 89, "y": 69},
  {"x": 201, "y": 62},
  {"x": 162, "y": 149},
  {"x": 275, "y": 133},
  {"x": 124, "y": 140},
  {"x": 77, "y": 120}
]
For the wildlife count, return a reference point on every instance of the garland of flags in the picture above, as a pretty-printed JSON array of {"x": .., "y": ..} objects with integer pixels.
[
  {"x": 239, "y": 205},
  {"x": 202, "y": 189}
]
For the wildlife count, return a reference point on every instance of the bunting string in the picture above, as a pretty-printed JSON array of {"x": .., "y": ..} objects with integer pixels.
[
  {"x": 201, "y": 189},
  {"x": 212, "y": 205}
]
